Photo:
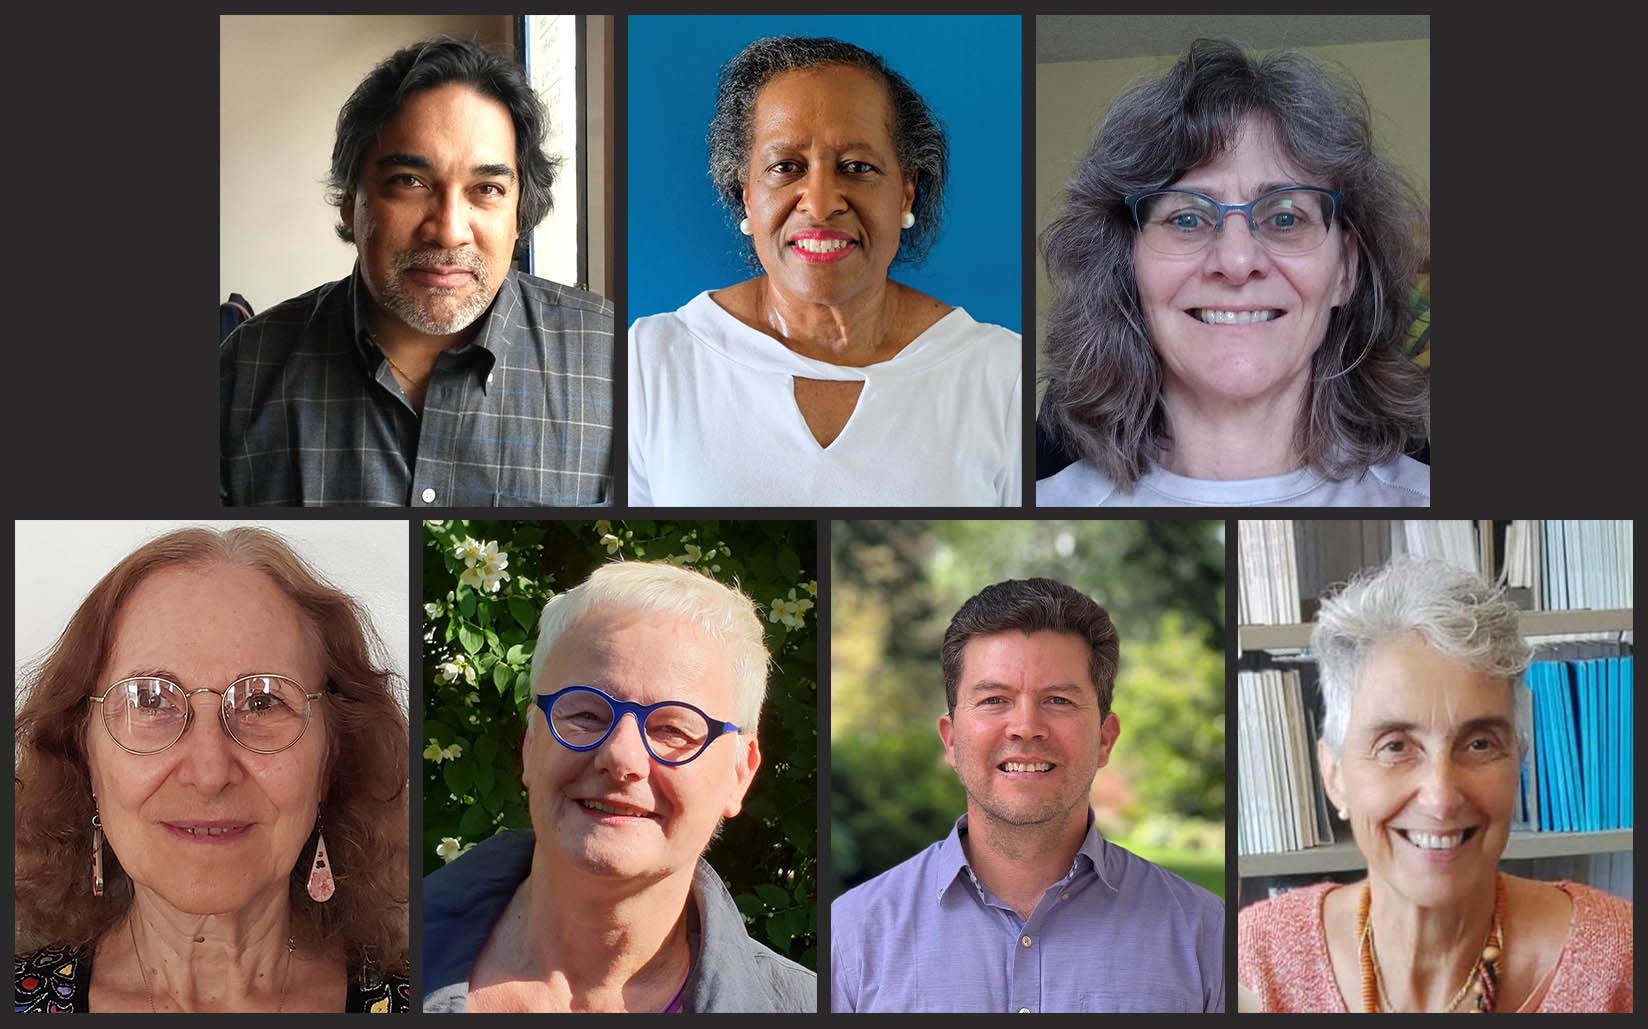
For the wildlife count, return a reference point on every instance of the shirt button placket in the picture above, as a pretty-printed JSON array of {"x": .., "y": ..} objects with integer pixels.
[{"x": 1026, "y": 976}]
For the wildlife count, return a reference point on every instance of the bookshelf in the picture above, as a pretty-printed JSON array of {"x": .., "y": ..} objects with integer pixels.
[{"x": 1353, "y": 545}]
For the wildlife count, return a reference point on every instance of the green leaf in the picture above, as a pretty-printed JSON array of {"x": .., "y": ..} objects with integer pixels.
[
  {"x": 789, "y": 565},
  {"x": 486, "y": 749},
  {"x": 772, "y": 896},
  {"x": 469, "y": 638},
  {"x": 459, "y": 775},
  {"x": 516, "y": 655},
  {"x": 483, "y": 614},
  {"x": 439, "y": 732},
  {"x": 749, "y": 904},
  {"x": 503, "y": 675},
  {"x": 475, "y": 824},
  {"x": 466, "y": 601},
  {"x": 523, "y": 614},
  {"x": 484, "y": 775},
  {"x": 779, "y": 932}
]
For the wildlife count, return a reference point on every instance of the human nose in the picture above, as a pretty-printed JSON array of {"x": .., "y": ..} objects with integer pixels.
[
  {"x": 1235, "y": 252},
  {"x": 623, "y": 754},
  {"x": 1439, "y": 788},
  {"x": 821, "y": 194},
  {"x": 208, "y": 756},
  {"x": 447, "y": 222},
  {"x": 1026, "y": 721}
]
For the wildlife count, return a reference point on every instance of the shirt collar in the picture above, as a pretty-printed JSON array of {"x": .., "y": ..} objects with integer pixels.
[
  {"x": 495, "y": 336},
  {"x": 952, "y": 868}
]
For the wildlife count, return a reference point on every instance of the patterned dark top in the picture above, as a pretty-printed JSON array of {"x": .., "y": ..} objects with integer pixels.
[
  {"x": 520, "y": 416},
  {"x": 57, "y": 979}
]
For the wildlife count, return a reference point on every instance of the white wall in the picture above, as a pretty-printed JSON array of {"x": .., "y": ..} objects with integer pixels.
[{"x": 58, "y": 562}]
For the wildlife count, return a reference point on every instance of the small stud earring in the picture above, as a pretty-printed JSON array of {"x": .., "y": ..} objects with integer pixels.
[
  {"x": 744, "y": 227},
  {"x": 908, "y": 220},
  {"x": 1344, "y": 814}
]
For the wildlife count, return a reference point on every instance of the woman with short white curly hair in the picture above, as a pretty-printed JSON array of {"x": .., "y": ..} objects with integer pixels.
[{"x": 1421, "y": 753}]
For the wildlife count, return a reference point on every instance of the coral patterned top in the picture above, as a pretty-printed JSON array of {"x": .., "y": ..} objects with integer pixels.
[{"x": 1282, "y": 953}]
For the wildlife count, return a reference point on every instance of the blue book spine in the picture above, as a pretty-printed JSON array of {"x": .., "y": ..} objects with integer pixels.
[
  {"x": 1626, "y": 675},
  {"x": 1569, "y": 715},
  {"x": 1539, "y": 679}
]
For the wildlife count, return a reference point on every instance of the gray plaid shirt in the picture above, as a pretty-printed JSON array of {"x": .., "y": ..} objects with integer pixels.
[{"x": 521, "y": 416}]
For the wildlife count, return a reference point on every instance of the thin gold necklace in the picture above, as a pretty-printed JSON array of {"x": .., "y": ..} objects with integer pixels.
[
  {"x": 285, "y": 983},
  {"x": 414, "y": 383}
]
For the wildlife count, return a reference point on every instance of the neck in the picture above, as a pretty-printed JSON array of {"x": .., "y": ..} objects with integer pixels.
[
  {"x": 1425, "y": 953},
  {"x": 604, "y": 946},
  {"x": 234, "y": 961},
  {"x": 1019, "y": 862},
  {"x": 856, "y": 333},
  {"x": 1218, "y": 439}
]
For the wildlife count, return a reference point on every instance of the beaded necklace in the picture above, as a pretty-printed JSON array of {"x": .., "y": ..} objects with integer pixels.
[{"x": 1484, "y": 972}]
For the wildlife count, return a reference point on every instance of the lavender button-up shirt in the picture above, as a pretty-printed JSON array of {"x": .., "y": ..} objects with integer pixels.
[{"x": 1115, "y": 934}]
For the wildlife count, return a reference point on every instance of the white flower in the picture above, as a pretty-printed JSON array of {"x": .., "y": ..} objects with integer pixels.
[
  {"x": 492, "y": 570},
  {"x": 812, "y": 587},
  {"x": 453, "y": 752},
  {"x": 790, "y": 611},
  {"x": 451, "y": 671},
  {"x": 449, "y": 848},
  {"x": 433, "y": 609},
  {"x": 694, "y": 552},
  {"x": 469, "y": 551},
  {"x": 471, "y": 699},
  {"x": 603, "y": 528},
  {"x": 611, "y": 542},
  {"x": 433, "y": 752},
  {"x": 472, "y": 577}
]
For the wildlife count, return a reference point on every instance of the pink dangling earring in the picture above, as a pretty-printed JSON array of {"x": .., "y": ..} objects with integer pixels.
[
  {"x": 321, "y": 883},
  {"x": 97, "y": 855}
]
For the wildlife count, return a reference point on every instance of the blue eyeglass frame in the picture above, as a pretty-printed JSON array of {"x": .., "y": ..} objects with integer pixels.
[
  {"x": 620, "y": 708},
  {"x": 1338, "y": 198}
]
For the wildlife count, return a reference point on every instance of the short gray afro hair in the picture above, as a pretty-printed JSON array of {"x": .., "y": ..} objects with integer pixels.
[
  {"x": 1456, "y": 612},
  {"x": 918, "y": 135}
]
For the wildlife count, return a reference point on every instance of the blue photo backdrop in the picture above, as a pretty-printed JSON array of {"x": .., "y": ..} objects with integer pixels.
[{"x": 969, "y": 70}]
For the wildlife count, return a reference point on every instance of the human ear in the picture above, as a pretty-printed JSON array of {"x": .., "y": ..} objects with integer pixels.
[
  {"x": 1346, "y": 286},
  {"x": 946, "y": 732},
  {"x": 1332, "y": 782},
  {"x": 744, "y": 770}
]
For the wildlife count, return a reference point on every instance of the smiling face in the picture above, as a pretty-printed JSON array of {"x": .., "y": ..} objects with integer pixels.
[
  {"x": 1026, "y": 738},
  {"x": 613, "y": 812},
  {"x": 1429, "y": 771},
  {"x": 206, "y": 626},
  {"x": 824, "y": 192},
  {"x": 1236, "y": 323},
  {"x": 434, "y": 211}
]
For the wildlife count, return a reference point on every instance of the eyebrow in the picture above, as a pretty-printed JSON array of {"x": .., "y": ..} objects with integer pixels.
[
  {"x": 485, "y": 171},
  {"x": 1264, "y": 187},
  {"x": 1496, "y": 722},
  {"x": 985, "y": 685}
]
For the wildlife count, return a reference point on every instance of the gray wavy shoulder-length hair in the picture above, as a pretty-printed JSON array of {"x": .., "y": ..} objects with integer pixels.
[
  {"x": 1456, "y": 612},
  {"x": 918, "y": 135},
  {"x": 1104, "y": 380}
]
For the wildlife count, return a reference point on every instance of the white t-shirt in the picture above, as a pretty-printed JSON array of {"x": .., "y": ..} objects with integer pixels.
[
  {"x": 713, "y": 419},
  {"x": 1403, "y": 482}
]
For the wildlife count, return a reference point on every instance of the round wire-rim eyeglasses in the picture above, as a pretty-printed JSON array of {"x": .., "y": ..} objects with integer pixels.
[
  {"x": 187, "y": 699},
  {"x": 620, "y": 708}
]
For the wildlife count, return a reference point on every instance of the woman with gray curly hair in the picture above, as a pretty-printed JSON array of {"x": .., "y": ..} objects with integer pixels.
[
  {"x": 822, "y": 381},
  {"x": 1421, "y": 752},
  {"x": 1231, "y": 273}
]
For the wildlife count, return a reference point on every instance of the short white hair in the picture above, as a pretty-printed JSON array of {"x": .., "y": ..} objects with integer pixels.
[
  {"x": 719, "y": 611},
  {"x": 1456, "y": 612}
]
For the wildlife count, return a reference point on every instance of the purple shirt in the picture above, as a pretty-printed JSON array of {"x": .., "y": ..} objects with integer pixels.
[{"x": 1117, "y": 933}]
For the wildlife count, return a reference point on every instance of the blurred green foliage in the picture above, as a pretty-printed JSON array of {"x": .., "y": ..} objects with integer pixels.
[
  {"x": 894, "y": 587},
  {"x": 480, "y": 625}
]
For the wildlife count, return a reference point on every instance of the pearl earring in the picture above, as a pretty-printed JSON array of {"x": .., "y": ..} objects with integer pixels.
[
  {"x": 908, "y": 220},
  {"x": 1344, "y": 814},
  {"x": 744, "y": 227}
]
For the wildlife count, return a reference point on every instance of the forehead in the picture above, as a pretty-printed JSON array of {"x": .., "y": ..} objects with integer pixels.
[
  {"x": 1254, "y": 158},
  {"x": 1407, "y": 680},
  {"x": 641, "y": 656},
  {"x": 454, "y": 123},
  {"x": 831, "y": 102},
  {"x": 1031, "y": 660},
  {"x": 212, "y": 622}
]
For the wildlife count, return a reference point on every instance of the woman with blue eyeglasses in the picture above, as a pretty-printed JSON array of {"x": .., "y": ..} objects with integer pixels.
[
  {"x": 211, "y": 793},
  {"x": 649, "y": 680},
  {"x": 1231, "y": 274}
]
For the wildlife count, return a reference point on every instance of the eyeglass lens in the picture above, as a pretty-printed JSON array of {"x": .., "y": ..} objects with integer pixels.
[
  {"x": 264, "y": 713},
  {"x": 673, "y": 732},
  {"x": 1291, "y": 221}
]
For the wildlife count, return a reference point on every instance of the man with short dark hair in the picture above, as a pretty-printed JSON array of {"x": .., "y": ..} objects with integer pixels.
[
  {"x": 436, "y": 374},
  {"x": 1025, "y": 906}
]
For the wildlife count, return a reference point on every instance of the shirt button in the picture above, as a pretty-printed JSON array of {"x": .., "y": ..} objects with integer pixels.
[
  {"x": 1024, "y": 941},
  {"x": 1024, "y": 1011},
  {"x": 489, "y": 378},
  {"x": 428, "y": 495},
  {"x": 1065, "y": 895}
]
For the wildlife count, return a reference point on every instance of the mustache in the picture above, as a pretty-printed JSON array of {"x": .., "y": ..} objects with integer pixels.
[{"x": 468, "y": 260}]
